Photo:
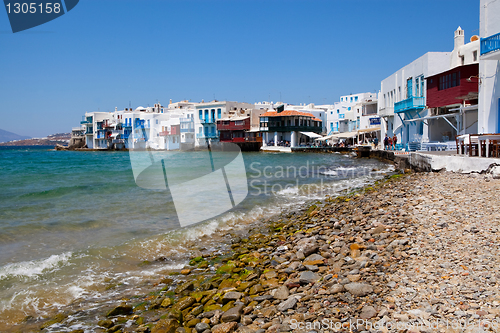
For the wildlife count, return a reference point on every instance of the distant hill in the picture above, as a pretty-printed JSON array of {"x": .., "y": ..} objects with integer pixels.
[
  {"x": 49, "y": 140},
  {"x": 6, "y": 136}
]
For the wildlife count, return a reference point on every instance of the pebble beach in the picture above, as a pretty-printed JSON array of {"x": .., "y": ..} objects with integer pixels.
[{"x": 413, "y": 253}]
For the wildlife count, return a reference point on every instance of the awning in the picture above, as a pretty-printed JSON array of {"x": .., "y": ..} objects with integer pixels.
[
  {"x": 368, "y": 130},
  {"x": 311, "y": 134},
  {"x": 114, "y": 135},
  {"x": 326, "y": 137},
  {"x": 346, "y": 135}
]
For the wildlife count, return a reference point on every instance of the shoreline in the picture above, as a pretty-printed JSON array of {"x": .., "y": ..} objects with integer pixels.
[
  {"x": 347, "y": 260},
  {"x": 233, "y": 270}
]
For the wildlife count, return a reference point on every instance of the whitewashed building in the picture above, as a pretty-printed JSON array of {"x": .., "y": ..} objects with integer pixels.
[
  {"x": 402, "y": 97},
  {"x": 489, "y": 67}
]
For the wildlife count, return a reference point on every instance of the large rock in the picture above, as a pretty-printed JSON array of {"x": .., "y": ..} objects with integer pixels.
[
  {"x": 336, "y": 288},
  {"x": 368, "y": 312},
  {"x": 185, "y": 286},
  {"x": 231, "y": 296},
  {"x": 495, "y": 172},
  {"x": 166, "y": 326},
  {"x": 200, "y": 327},
  {"x": 232, "y": 314},
  {"x": 122, "y": 309},
  {"x": 184, "y": 302},
  {"x": 224, "y": 327},
  {"x": 288, "y": 304},
  {"x": 307, "y": 277},
  {"x": 358, "y": 289},
  {"x": 281, "y": 293}
]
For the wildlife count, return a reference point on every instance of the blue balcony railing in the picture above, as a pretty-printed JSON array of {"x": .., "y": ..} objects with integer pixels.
[
  {"x": 490, "y": 44},
  {"x": 207, "y": 120},
  {"x": 206, "y": 136},
  {"x": 409, "y": 104}
]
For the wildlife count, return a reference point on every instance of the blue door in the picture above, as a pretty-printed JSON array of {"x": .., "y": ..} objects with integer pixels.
[{"x": 409, "y": 87}]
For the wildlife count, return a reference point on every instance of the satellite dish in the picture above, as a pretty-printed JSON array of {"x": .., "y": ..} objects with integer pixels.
[{"x": 474, "y": 38}]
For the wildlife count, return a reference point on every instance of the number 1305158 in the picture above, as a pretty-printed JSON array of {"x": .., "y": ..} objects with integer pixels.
[{"x": 33, "y": 8}]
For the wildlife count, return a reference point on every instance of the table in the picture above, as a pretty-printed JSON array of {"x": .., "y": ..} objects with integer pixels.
[{"x": 487, "y": 138}]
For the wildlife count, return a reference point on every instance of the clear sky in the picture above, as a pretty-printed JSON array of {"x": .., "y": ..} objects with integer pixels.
[{"x": 109, "y": 53}]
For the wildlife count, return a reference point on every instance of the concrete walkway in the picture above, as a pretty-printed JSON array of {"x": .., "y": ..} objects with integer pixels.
[
  {"x": 451, "y": 161},
  {"x": 276, "y": 149}
]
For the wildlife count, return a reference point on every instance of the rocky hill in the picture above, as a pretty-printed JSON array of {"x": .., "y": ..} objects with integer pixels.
[{"x": 50, "y": 140}]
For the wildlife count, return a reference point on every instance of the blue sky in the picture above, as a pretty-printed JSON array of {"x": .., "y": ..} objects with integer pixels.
[{"x": 106, "y": 53}]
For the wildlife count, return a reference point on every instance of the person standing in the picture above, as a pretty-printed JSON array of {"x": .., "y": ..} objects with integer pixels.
[
  {"x": 386, "y": 142},
  {"x": 375, "y": 142},
  {"x": 390, "y": 143},
  {"x": 394, "y": 141}
]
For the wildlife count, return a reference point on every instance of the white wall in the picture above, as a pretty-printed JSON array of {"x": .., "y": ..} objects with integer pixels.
[{"x": 489, "y": 70}]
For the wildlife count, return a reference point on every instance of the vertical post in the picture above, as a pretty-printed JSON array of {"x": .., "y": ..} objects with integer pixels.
[{"x": 275, "y": 139}]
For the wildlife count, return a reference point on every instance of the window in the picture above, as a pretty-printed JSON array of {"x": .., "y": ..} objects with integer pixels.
[
  {"x": 356, "y": 98},
  {"x": 338, "y": 111},
  {"x": 449, "y": 80},
  {"x": 219, "y": 112},
  {"x": 201, "y": 114},
  {"x": 474, "y": 55}
]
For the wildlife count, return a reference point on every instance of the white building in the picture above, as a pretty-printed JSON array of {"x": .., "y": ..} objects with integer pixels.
[
  {"x": 352, "y": 113},
  {"x": 489, "y": 67},
  {"x": 207, "y": 114},
  {"x": 402, "y": 97}
]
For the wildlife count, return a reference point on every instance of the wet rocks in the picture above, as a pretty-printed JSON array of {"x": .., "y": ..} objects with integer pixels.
[
  {"x": 166, "y": 326},
  {"x": 122, "y": 309}
]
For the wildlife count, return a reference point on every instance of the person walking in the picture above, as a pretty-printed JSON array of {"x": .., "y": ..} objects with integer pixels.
[
  {"x": 375, "y": 142},
  {"x": 386, "y": 142},
  {"x": 394, "y": 141},
  {"x": 390, "y": 143}
]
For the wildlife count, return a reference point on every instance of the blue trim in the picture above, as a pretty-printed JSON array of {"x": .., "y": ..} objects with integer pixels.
[{"x": 490, "y": 44}]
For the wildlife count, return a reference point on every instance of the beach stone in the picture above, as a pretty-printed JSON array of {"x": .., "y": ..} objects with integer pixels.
[
  {"x": 310, "y": 249},
  {"x": 105, "y": 323},
  {"x": 200, "y": 327},
  {"x": 255, "y": 289},
  {"x": 224, "y": 327},
  {"x": 231, "y": 296},
  {"x": 166, "y": 326},
  {"x": 336, "y": 288},
  {"x": 358, "y": 289},
  {"x": 167, "y": 302},
  {"x": 307, "y": 277},
  {"x": 185, "y": 286},
  {"x": 282, "y": 292},
  {"x": 368, "y": 312},
  {"x": 122, "y": 309},
  {"x": 288, "y": 304},
  {"x": 232, "y": 314},
  {"x": 184, "y": 302}
]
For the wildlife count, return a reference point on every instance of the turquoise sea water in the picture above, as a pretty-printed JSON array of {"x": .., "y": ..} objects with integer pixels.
[{"x": 72, "y": 223}]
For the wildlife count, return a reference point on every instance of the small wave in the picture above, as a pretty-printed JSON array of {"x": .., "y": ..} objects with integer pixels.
[
  {"x": 29, "y": 269},
  {"x": 329, "y": 173}
]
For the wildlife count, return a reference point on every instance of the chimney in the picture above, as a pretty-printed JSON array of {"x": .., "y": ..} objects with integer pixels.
[{"x": 459, "y": 38}]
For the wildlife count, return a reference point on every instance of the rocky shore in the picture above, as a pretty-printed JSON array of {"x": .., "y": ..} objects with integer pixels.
[{"x": 414, "y": 253}]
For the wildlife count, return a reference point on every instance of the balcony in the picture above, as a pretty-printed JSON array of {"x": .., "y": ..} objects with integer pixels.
[
  {"x": 207, "y": 120},
  {"x": 86, "y": 120},
  {"x": 409, "y": 104},
  {"x": 187, "y": 130},
  {"x": 206, "y": 136},
  {"x": 164, "y": 133},
  {"x": 490, "y": 47},
  {"x": 233, "y": 127},
  {"x": 89, "y": 131},
  {"x": 186, "y": 120},
  {"x": 387, "y": 111}
]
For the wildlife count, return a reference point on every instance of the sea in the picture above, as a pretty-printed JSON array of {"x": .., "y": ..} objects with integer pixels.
[{"x": 76, "y": 227}]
